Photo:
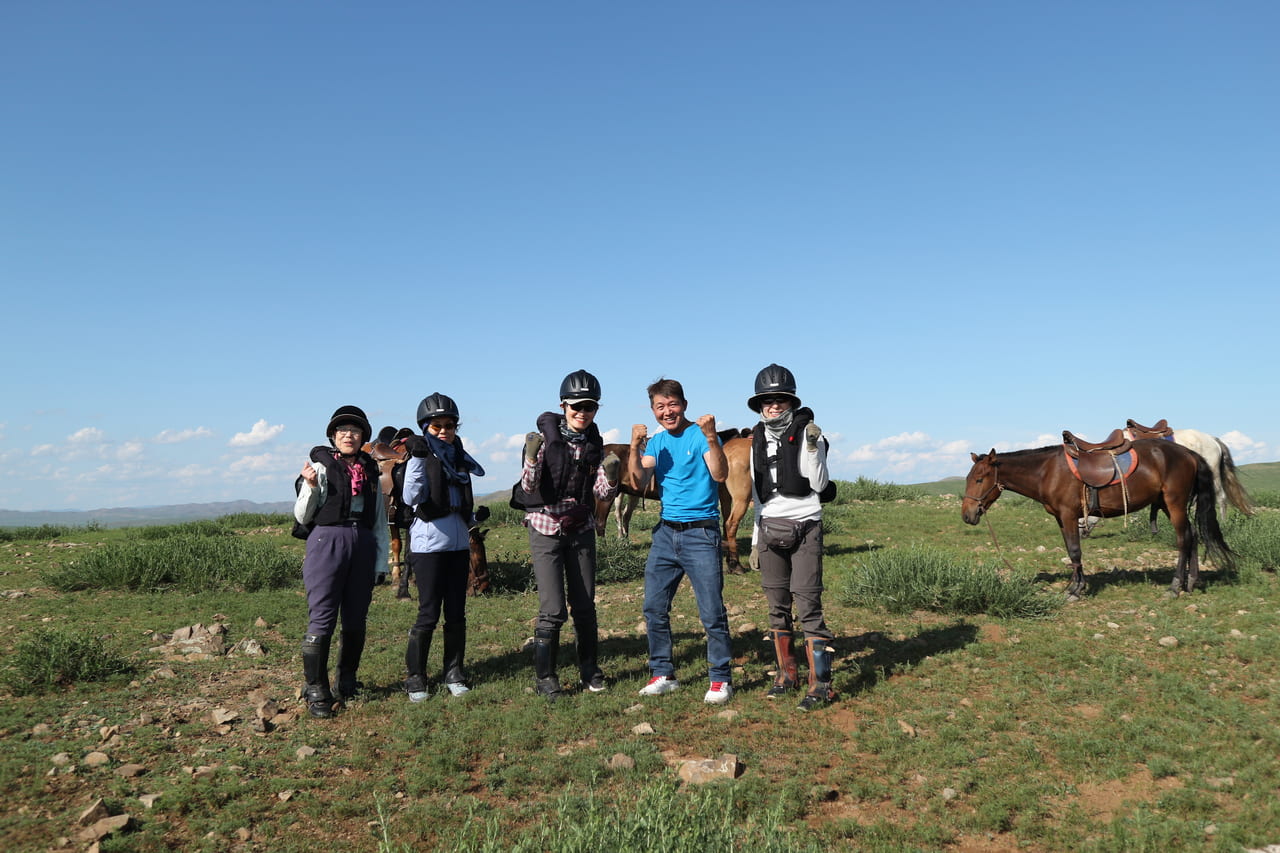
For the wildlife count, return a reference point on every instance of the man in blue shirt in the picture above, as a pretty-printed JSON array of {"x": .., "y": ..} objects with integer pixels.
[{"x": 689, "y": 463}]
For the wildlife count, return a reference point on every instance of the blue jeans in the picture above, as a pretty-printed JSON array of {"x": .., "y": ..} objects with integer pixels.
[{"x": 674, "y": 554}]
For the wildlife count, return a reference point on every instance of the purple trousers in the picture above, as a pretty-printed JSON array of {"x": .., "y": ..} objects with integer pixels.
[{"x": 339, "y": 573}]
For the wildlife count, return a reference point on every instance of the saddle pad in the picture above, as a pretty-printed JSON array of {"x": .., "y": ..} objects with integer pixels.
[{"x": 1126, "y": 463}]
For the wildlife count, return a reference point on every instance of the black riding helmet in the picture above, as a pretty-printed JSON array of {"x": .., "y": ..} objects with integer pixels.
[
  {"x": 774, "y": 381},
  {"x": 353, "y": 415},
  {"x": 578, "y": 386},
  {"x": 436, "y": 406}
]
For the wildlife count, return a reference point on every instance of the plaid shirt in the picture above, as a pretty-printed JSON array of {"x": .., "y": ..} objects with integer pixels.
[{"x": 551, "y": 519}]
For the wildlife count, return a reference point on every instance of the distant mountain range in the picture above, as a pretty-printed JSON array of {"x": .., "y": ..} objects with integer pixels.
[{"x": 137, "y": 516}]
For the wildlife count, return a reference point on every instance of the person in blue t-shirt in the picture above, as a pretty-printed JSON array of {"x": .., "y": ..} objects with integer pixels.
[{"x": 688, "y": 461}]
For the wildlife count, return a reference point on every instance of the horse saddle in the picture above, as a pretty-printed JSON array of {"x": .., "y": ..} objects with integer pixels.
[
  {"x": 387, "y": 456},
  {"x": 1102, "y": 463},
  {"x": 1160, "y": 430}
]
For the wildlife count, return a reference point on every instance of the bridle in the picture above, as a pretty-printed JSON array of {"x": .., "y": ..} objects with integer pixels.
[{"x": 995, "y": 486}]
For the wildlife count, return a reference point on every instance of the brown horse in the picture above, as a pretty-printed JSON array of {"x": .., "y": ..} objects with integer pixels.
[
  {"x": 735, "y": 494},
  {"x": 1167, "y": 475}
]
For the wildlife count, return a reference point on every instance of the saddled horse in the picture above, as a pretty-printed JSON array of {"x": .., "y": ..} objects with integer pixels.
[
  {"x": 735, "y": 494},
  {"x": 1161, "y": 474},
  {"x": 1226, "y": 485}
]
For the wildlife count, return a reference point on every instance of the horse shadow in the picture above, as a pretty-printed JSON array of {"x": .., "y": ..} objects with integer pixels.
[
  {"x": 841, "y": 550},
  {"x": 1159, "y": 577}
]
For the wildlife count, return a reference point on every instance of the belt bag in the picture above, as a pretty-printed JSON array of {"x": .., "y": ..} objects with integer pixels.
[{"x": 782, "y": 534}]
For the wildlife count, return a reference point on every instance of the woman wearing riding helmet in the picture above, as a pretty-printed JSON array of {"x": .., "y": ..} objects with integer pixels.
[
  {"x": 564, "y": 473},
  {"x": 437, "y": 485},
  {"x": 788, "y": 478},
  {"x": 339, "y": 511}
]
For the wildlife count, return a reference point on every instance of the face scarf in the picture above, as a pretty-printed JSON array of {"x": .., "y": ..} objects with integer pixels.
[{"x": 457, "y": 463}]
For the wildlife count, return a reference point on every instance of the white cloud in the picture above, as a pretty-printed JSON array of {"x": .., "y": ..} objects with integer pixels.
[
  {"x": 1244, "y": 449},
  {"x": 261, "y": 432},
  {"x": 266, "y": 462},
  {"x": 611, "y": 436},
  {"x": 170, "y": 436},
  {"x": 87, "y": 435},
  {"x": 130, "y": 450},
  {"x": 502, "y": 456},
  {"x": 191, "y": 472}
]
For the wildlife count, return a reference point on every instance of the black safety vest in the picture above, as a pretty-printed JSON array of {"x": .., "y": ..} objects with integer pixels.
[
  {"x": 790, "y": 482},
  {"x": 437, "y": 504},
  {"x": 335, "y": 503},
  {"x": 563, "y": 476}
]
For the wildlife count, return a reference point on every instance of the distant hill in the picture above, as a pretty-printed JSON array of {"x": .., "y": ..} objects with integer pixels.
[{"x": 137, "y": 516}]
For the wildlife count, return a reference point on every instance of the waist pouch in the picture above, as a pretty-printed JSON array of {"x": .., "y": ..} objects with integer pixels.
[{"x": 783, "y": 534}]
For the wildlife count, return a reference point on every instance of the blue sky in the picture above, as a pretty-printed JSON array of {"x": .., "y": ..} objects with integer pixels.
[{"x": 962, "y": 226}]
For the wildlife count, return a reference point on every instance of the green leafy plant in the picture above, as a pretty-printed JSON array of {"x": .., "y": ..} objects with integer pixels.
[{"x": 56, "y": 657}]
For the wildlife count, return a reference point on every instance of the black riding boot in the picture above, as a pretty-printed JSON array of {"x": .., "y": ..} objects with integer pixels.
[
  {"x": 315, "y": 668},
  {"x": 455, "y": 646},
  {"x": 546, "y": 647},
  {"x": 587, "y": 635},
  {"x": 415, "y": 663},
  {"x": 820, "y": 689},
  {"x": 349, "y": 652},
  {"x": 402, "y": 589}
]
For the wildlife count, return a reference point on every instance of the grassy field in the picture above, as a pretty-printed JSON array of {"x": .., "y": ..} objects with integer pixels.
[{"x": 1126, "y": 721}]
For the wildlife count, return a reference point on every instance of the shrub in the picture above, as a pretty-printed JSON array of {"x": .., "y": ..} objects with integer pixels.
[
  {"x": 242, "y": 520},
  {"x": 618, "y": 560},
  {"x": 55, "y": 657},
  {"x": 188, "y": 562},
  {"x": 863, "y": 489},
  {"x": 1267, "y": 499},
  {"x": 1255, "y": 540},
  {"x": 920, "y": 578},
  {"x": 204, "y": 527},
  {"x": 42, "y": 532}
]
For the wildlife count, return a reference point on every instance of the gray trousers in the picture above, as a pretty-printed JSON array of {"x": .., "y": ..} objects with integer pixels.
[
  {"x": 564, "y": 564},
  {"x": 794, "y": 578}
]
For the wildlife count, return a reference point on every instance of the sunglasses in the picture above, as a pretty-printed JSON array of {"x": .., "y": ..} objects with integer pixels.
[
  {"x": 348, "y": 431},
  {"x": 773, "y": 401},
  {"x": 452, "y": 425},
  {"x": 585, "y": 406}
]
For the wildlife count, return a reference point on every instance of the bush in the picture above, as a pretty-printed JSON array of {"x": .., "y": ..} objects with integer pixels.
[
  {"x": 863, "y": 489},
  {"x": 183, "y": 561},
  {"x": 43, "y": 532},
  {"x": 240, "y": 520},
  {"x": 1255, "y": 540},
  {"x": 187, "y": 528},
  {"x": 1267, "y": 499},
  {"x": 617, "y": 560},
  {"x": 55, "y": 657},
  {"x": 919, "y": 578}
]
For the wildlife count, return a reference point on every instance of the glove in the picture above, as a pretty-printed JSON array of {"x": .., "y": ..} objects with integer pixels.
[
  {"x": 611, "y": 466},
  {"x": 481, "y": 514},
  {"x": 811, "y": 435},
  {"x": 532, "y": 444},
  {"x": 417, "y": 446}
]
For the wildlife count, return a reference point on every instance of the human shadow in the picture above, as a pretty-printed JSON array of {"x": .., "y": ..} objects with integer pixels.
[{"x": 889, "y": 656}]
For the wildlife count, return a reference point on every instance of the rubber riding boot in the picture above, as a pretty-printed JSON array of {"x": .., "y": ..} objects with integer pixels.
[
  {"x": 415, "y": 663},
  {"x": 587, "y": 634},
  {"x": 455, "y": 646},
  {"x": 402, "y": 586},
  {"x": 349, "y": 652},
  {"x": 546, "y": 647},
  {"x": 315, "y": 668},
  {"x": 788, "y": 676},
  {"x": 820, "y": 689}
]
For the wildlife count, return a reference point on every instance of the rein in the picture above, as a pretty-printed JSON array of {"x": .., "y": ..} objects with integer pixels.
[{"x": 997, "y": 486}]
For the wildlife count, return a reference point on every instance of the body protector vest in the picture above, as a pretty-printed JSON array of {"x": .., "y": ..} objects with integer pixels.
[
  {"x": 437, "y": 504},
  {"x": 789, "y": 483},
  {"x": 335, "y": 506},
  {"x": 563, "y": 476}
]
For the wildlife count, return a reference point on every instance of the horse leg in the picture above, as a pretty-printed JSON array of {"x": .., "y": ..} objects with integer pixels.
[
  {"x": 1155, "y": 512},
  {"x": 1177, "y": 511},
  {"x": 729, "y": 541},
  {"x": 626, "y": 507},
  {"x": 1071, "y": 538}
]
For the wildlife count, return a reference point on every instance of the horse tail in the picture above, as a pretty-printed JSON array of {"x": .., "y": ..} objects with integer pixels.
[
  {"x": 1206, "y": 510},
  {"x": 1235, "y": 491}
]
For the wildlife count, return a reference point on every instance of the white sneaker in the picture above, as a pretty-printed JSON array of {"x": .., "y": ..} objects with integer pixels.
[
  {"x": 658, "y": 685},
  {"x": 416, "y": 687},
  {"x": 457, "y": 688},
  {"x": 719, "y": 693}
]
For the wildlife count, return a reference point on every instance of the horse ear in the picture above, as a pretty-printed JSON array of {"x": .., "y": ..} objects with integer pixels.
[
  {"x": 991, "y": 457},
  {"x": 973, "y": 456}
]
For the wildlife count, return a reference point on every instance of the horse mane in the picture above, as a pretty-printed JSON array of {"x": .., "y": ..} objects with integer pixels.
[{"x": 1030, "y": 451}]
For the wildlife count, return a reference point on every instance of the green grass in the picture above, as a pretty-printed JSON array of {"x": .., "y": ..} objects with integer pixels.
[{"x": 976, "y": 710}]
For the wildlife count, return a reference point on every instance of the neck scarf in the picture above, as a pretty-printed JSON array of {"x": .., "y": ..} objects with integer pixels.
[
  {"x": 777, "y": 427},
  {"x": 456, "y": 462},
  {"x": 356, "y": 472},
  {"x": 570, "y": 435}
]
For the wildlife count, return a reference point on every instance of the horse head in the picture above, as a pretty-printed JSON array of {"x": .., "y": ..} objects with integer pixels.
[{"x": 981, "y": 488}]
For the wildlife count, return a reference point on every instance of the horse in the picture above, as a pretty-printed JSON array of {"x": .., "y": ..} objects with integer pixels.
[
  {"x": 1167, "y": 476},
  {"x": 735, "y": 494},
  {"x": 1226, "y": 485}
]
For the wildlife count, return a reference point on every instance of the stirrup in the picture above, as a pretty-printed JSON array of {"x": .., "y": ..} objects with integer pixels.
[{"x": 780, "y": 688}]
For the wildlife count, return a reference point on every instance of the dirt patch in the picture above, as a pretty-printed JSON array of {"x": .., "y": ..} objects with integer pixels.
[{"x": 1103, "y": 801}]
